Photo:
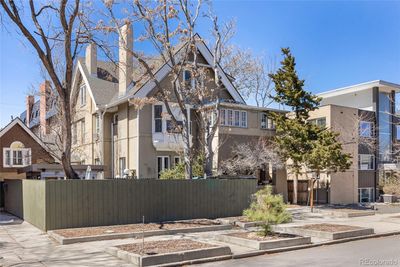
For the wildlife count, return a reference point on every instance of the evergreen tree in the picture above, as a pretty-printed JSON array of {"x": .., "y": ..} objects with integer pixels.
[
  {"x": 293, "y": 133},
  {"x": 289, "y": 88},
  {"x": 327, "y": 152}
]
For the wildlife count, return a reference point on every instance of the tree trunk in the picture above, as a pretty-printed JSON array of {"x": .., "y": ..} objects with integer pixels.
[
  {"x": 67, "y": 141},
  {"x": 187, "y": 150},
  {"x": 295, "y": 184},
  {"x": 208, "y": 158}
]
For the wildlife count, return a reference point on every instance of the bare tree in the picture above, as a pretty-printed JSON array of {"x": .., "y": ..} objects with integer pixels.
[
  {"x": 249, "y": 157},
  {"x": 249, "y": 73},
  {"x": 170, "y": 30},
  {"x": 56, "y": 37}
]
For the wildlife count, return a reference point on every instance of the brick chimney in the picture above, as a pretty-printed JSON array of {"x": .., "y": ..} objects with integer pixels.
[
  {"x": 44, "y": 106},
  {"x": 30, "y": 100},
  {"x": 125, "y": 58},
  {"x": 91, "y": 59}
]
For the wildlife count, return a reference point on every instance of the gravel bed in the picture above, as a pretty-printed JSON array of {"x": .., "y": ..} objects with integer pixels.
[
  {"x": 326, "y": 227},
  {"x": 165, "y": 246},
  {"x": 259, "y": 237},
  {"x": 131, "y": 228}
]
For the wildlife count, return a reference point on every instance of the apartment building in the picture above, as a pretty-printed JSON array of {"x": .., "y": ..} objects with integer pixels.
[
  {"x": 365, "y": 116},
  {"x": 109, "y": 129}
]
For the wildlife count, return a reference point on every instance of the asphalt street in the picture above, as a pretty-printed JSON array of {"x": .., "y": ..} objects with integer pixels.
[{"x": 368, "y": 252}]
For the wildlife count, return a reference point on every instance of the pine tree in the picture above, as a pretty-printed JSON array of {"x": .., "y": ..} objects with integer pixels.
[
  {"x": 289, "y": 88},
  {"x": 327, "y": 152},
  {"x": 293, "y": 134}
]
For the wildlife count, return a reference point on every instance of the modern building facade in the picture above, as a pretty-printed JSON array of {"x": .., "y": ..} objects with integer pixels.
[{"x": 365, "y": 116}]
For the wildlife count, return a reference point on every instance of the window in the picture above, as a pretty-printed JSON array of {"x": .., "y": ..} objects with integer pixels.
[
  {"x": 82, "y": 95},
  {"x": 83, "y": 133},
  {"x": 366, "y": 195},
  {"x": 187, "y": 77},
  {"x": 365, "y": 129},
  {"x": 177, "y": 160},
  {"x": 366, "y": 162},
  {"x": 230, "y": 117},
  {"x": 158, "y": 118},
  {"x": 172, "y": 128},
  {"x": 122, "y": 166},
  {"x": 233, "y": 118},
  {"x": 115, "y": 124},
  {"x": 16, "y": 157},
  {"x": 97, "y": 123},
  {"x": 266, "y": 122},
  {"x": 397, "y": 132},
  {"x": 162, "y": 164},
  {"x": 222, "y": 117},
  {"x": 237, "y": 118},
  {"x": 243, "y": 122},
  {"x": 319, "y": 121}
]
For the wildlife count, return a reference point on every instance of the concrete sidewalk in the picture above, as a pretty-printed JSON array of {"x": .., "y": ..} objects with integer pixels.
[{"x": 21, "y": 244}]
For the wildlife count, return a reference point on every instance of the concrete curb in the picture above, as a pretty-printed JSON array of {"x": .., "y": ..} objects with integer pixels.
[
  {"x": 264, "y": 245},
  {"x": 174, "y": 258},
  {"x": 327, "y": 243},
  {"x": 71, "y": 240},
  {"x": 294, "y": 230}
]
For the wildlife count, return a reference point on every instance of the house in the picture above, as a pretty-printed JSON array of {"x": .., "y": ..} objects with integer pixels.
[
  {"x": 108, "y": 129},
  {"x": 20, "y": 147},
  {"x": 365, "y": 115}
]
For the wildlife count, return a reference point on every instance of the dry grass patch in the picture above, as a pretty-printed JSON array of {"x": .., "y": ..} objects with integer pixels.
[
  {"x": 133, "y": 228},
  {"x": 259, "y": 237},
  {"x": 164, "y": 246},
  {"x": 326, "y": 227}
]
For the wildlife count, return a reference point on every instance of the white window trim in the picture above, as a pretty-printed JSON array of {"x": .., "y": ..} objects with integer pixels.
[
  {"x": 25, "y": 161},
  {"x": 224, "y": 116},
  {"x": 373, "y": 162},
  {"x": 163, "y": 163}
]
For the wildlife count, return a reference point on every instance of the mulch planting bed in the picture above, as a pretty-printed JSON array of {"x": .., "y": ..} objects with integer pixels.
[
  {"x": 332, "y": 228},
  {"x": 129, "y": 228},
  {"x": 257, "y": 236},
  {"x": 238, "y": 219},
  {"x": 165, "y": 246}
]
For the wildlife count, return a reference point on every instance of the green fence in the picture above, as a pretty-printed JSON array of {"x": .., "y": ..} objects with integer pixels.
[{"x": 79, "y": 203}]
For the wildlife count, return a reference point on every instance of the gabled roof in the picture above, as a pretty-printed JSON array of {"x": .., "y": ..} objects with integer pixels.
[
  {"x": 27, "y": 130},
  {"x": 206, "y": 53},
  {"x": 106, "y": 93},
  {"x": 359, "y": 87}
]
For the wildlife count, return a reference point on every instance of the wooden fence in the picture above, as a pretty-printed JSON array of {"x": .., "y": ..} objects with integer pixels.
[{"x": 57, "y": 204}]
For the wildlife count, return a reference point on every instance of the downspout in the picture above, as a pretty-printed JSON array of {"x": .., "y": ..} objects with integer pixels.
[
  {"x": 112, "y": 148},
  {"x": 101, "y": 117},
  {"x": 127, "y": 137}
]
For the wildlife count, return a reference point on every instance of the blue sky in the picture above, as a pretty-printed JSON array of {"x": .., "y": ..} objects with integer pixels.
[{"x": 336, "y": 43}]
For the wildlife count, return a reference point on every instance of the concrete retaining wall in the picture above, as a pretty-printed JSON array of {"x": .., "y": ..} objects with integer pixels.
[{"x": 57, "y": 204}]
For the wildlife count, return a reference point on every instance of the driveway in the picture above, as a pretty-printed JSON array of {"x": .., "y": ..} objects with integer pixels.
[{"x": 369, "y": 252}]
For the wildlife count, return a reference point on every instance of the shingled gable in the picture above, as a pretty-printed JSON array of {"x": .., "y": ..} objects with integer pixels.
[
  {"x": 206, "y": 53},
  {"x": 26, "y": 129}
]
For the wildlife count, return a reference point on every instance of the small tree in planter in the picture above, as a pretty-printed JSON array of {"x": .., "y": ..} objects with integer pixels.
[{"x": 268, "y": 208}]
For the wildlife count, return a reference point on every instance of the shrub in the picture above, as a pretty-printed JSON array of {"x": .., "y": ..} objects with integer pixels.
[
  {"x": 267, "y": 208},
  {"x": 391, "y": 185},
  {"x": 178, "y": 171}
]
